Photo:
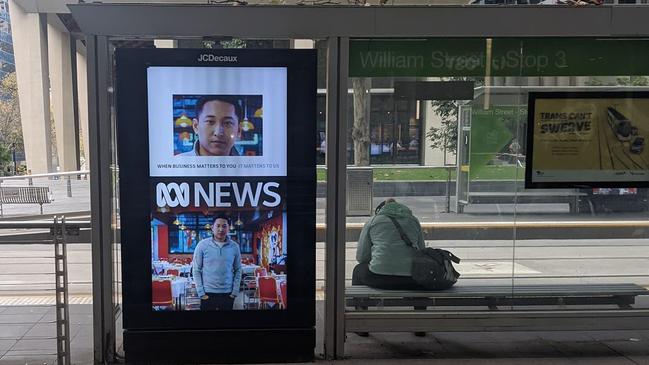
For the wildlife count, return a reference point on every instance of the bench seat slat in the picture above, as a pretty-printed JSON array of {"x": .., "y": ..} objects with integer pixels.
[{"x": 483, "y": 291}]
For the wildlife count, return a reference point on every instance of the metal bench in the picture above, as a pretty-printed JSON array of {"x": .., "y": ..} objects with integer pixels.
[
  {"x": 571, "y": 197},
  {"x": 377, "y": 310},
  {"x": 25, "y": 195}
]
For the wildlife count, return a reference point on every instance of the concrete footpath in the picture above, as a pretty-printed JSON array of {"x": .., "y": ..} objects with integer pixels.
[
  {"x": 27, "y": 330},
  {"x": 27, "y": 337}
]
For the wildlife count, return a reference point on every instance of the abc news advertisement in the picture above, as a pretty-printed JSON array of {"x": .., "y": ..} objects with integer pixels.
[
  {"x": 218, "y": 174},
  {"x": 580, "y": 139}
]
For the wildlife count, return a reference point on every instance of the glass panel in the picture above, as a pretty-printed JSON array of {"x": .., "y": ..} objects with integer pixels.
[
  {"x": 591, "y": 239},
  {"x": 534, "y": 248},
  {"x": 423, "y": 147},
  {"x": 114, "y": 193}
]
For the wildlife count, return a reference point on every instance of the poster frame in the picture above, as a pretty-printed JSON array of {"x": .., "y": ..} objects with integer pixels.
[
  {"x": 135, "y": 191},
  {"x": 586, "y": 184}
]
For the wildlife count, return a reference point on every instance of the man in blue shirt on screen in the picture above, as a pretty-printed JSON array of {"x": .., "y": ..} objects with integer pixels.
[
  {"x": 217, "y": 268},
  {"x": 217, "y": 126}
]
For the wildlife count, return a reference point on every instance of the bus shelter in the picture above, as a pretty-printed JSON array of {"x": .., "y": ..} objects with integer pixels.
[{"x": 107, "y": 25}]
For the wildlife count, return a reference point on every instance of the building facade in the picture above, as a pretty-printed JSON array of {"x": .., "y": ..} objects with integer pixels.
[{"x": 7, "y": 62}]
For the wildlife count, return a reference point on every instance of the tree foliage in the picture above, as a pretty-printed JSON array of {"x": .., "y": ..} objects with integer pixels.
[
  {"x": 5, "y": 159},
  {"x": 10, "y": 127},
  {"x": 444, "y": 137}
]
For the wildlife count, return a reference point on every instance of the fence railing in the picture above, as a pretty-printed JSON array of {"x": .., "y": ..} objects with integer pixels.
[
  {"x": 68, "y": 176},
  {"x": 35, "y": 277}
]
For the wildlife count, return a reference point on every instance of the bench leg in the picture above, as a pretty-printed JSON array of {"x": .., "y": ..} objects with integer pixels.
[
  {"x": 362, "y": 308},
  {"x": 420, "y": 308}
]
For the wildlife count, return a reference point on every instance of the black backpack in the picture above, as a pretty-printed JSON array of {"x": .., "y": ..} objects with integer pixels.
[{"x": 432, "y": 268}]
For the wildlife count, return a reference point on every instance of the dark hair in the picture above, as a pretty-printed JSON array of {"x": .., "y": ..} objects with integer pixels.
[
  {"x": 221, "y": 216},
  {"x": 229, "y": 99}
]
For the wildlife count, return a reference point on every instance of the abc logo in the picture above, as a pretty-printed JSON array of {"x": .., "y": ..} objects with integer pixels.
[{"x": 172, "y": 195}]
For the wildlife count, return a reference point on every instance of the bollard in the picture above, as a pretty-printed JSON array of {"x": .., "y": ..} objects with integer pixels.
[
  {"x": 69, "y": 183},
  {"x": 31, "y": 181}
]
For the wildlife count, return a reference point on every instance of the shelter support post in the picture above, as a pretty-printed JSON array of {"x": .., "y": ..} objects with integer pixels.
[
  {"x": 337, "y": 71},
  {"x": 100, "y": 197}
]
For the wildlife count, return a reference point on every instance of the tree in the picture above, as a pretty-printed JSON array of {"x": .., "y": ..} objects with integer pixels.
[
  {"x": 10, "y": 127},
  {"x": 361, "y": 127},
  {"x": 445, "y": 137},
  {"x": 5, "y": 159}
]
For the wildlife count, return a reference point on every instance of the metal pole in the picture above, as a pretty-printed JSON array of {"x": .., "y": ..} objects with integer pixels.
[
  {"x": 13, "y": 156},
  {"x": 448, "y": 189},
  {"x": 75, "y": 99},
  {"x": 69, "y": 184},
  {"x": 337, "y": 71},
  {"x": 100, "y": 159}
]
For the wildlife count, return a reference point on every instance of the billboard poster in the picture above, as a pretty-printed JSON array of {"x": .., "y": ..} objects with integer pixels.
[
  {"x": 216, "y": 200},
  {"x": 217, "y": 164},
  {"x": 580, "y": 139}
]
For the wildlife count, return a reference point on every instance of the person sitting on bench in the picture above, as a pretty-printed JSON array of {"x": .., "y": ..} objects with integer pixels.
[{"x": 384, "y": 259}]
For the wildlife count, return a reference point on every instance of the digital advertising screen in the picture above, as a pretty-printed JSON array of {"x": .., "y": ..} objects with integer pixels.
[
  {"x": 587, "y": 139},
  {"x": 218, "y": 243},
  {"x": 217, "y": 187}
]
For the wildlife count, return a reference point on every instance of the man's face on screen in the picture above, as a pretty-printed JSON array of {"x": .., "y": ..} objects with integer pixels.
[
  {"x": 220, "y": 229},
  {"x": 217, "y": 127}
]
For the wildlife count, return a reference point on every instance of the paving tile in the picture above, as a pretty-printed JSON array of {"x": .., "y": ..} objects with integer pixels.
[
  {"x": 14, "y": 331},
  {"x": 28, "y": 309},
  {"x": 570, "y": 336},
  {"x": 639, "y": 360},
  {"x": 386, "y": 345},
  {"x": 619, "y": 335},
  {"x": 40, "y": 346},
  {"x": 499, "y": 361},
  {"x": 635, "y": 347},
  {"x": 20, "y": 318},
  {"x": 577, "y": 349},
  {"x": 474, "y": 337},
  {"x": 80, "y": 309},
  {"x": 81, "y": 331},
  {"x": 82, "y": 356},
  {"x": 26, "y": 359},
  {"x": 81, "y": 339},
  {"x": 467, "y": 349},
  {"x": 80, "y": 318},
  {"x": 42, "y": 330},
  {"x": 49, "y": 318},
  {"x": 74, "y": 330},
  {"x": 6, "y": 345}
]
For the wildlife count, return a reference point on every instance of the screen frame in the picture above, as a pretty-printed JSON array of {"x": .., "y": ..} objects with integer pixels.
[
  {"x": 135, "y": 188},
  {"x": 529, "y": 158}
]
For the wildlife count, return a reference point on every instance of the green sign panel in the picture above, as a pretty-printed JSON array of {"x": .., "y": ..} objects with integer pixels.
[
  {"x": 505, "y": 57},
  {"x": 492, "y": 131}
]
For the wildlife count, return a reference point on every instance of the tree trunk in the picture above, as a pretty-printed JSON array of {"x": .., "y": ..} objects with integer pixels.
[{"x": 361, "y": 128}]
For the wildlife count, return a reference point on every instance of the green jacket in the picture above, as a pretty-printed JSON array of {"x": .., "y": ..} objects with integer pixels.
[{"x": 380, "y": 243}]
